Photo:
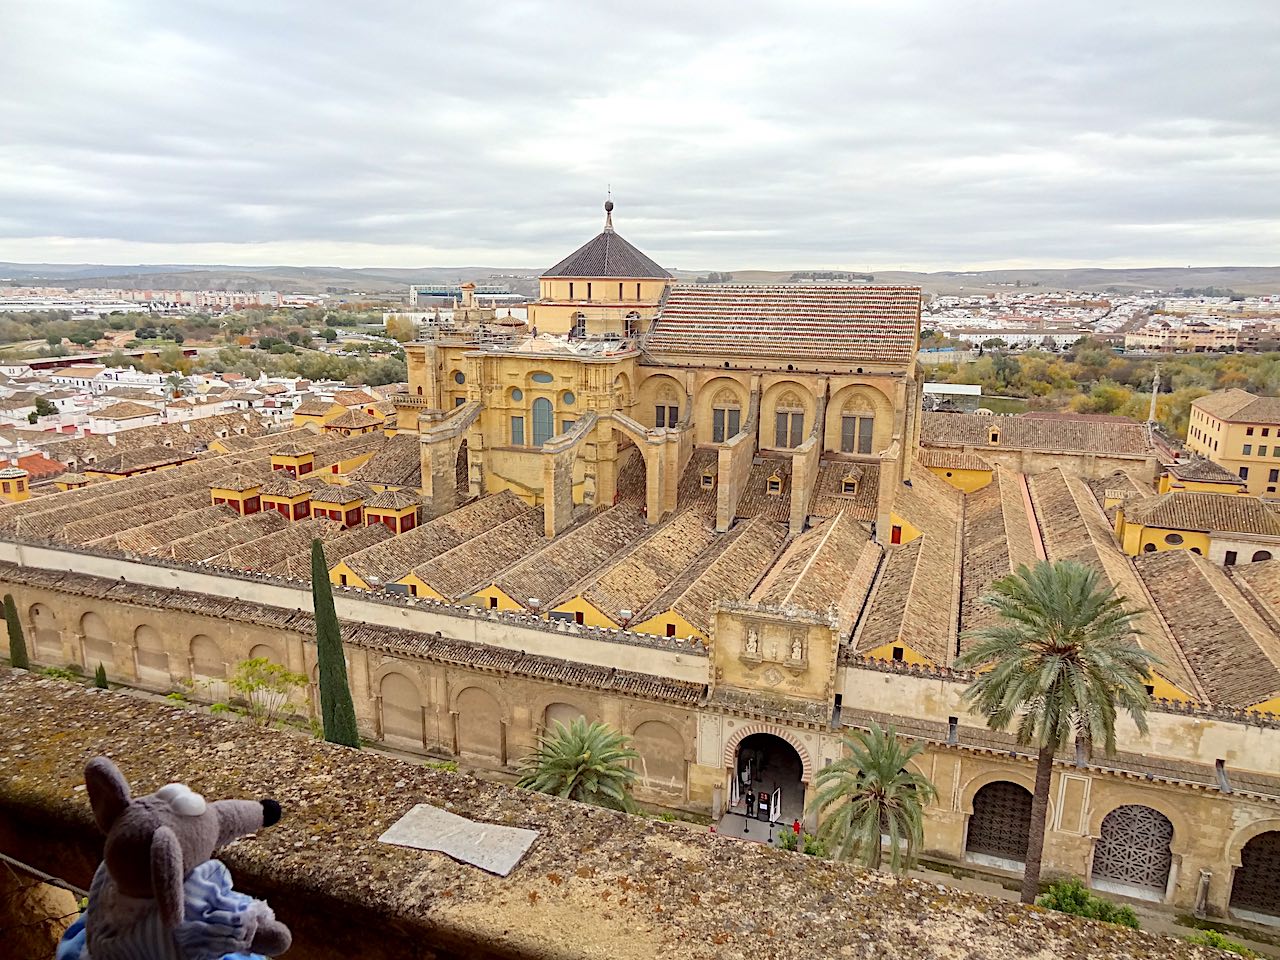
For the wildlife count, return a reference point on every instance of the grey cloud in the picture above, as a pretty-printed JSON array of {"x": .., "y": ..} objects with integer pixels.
[{"x": 932, "y": 133}]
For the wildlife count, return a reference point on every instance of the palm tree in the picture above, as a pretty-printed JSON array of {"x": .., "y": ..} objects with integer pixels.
[
  {"x": 1057, "y": 663},
  {"x": 581, "y": 762},
  {"x": 871, "y": 793}
]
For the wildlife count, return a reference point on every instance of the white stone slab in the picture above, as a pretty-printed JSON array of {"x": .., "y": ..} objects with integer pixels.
[{"x": 485, "y": 845}]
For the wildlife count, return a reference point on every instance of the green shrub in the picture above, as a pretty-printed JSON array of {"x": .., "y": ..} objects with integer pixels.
[
  {"x": 448, "y": 766},
  {"x": 61, "y": 673},
  {"x": 813, "y": 846},
  {"x": 1070, "y": 895},
  {"x": 100, "y": 677},
  {"x": 787, "y": 840},
  {"x": 177, "y": 696},
  {"x": 217, "y": 708},
  {"x": 1212, "y": 938}
]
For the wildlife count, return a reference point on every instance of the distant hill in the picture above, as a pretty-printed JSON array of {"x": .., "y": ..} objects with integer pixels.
[{"x": 394, "y": 280}]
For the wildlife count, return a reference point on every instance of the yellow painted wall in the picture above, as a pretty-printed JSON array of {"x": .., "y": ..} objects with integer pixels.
[
  {"x": 657, "y": 626},
  {"x": 590, "y": 615},
  {"x": 966, "y": 480},
  {"x": 340, "y": 570},
  {"x": 909, "y": 530},
  {"x": 418, "y": 587},
  {"x": 1164, "y": 690},
  {"x": 1268, "y": 706},
  {"x": 482, "y": 598},
  {"x": 1224, "y": 443},
  {"x": 908, "y": 655},
  {"x": 604, "y": 310},
  {"x": 1169, "y": 483},
  {"x": 1135, "y": 537},
  {"x": 17, "y": 491}
]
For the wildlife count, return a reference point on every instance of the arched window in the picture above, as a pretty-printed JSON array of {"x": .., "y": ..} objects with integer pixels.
[
  {"x": 543, "y": 421},
  {"x": 789, "y": 426},
  {"x": 667, "y": 411},
  {"x": 726, "y": 416},
  {"x": 1262, "y": 555},
  {"x": 857, "y": 427}
]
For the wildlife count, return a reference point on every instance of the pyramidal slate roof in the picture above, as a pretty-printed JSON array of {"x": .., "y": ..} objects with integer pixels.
[{"x": 607, "y": 255}]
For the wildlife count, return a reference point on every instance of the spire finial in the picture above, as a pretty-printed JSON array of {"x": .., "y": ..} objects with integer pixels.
[{"x": 608, "y": 208}]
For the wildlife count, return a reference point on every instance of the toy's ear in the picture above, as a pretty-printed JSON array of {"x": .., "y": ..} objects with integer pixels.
[
  {"x": 167, "y": 875},
  {"x": 108, "y": 791}
]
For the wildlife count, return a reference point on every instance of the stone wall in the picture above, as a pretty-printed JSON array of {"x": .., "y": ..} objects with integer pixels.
[{"x": 595, "y": 883}]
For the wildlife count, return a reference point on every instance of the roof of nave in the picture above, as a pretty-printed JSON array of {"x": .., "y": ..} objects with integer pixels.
[
  {"x": 470, "y": 565},
  {"x": 829, "y": 567},
  {"x": 1234, "y": 652},
  {"x": 342, "y": 545},
  {"x": 351, "y": 420},
  {"x": 262, "y": 553},
  {"x": 339, "y": 494},
  {"x": 390, "y": 560},
  {"x": 1193, "y": 510},
  {"x": 944, "y": 459},
  {"x": 208, "y": 544},
  {"x": 727, "y": 570},
  {"x": 137, "y": 458},
  {"x": 550, "y": 574},
  {"x": 1240, "y": 406},
  {"x": 841, "y": 324},
  {"x": 1122, "y": 486},
  {"x": 1075, "y": 528},
  {"x": 150, "y": 537},
  {"x": 283, "y": 485},
  {"x": 998, "y": 539},
  {"x": 104, "y": 524},
  {"x": 607, "y": 255},
  {"x": 393, "y": 500},
  {"x": 915, "y": 599},
  {"x": 829, "y": 497},
  {"x": 1200, "y": 468},
  {"x": 648, "y": 567},
  {"x": 397, "y": 464},
  {"x": 756, "y": 500},
  {"x": 1033, "y": 433}
]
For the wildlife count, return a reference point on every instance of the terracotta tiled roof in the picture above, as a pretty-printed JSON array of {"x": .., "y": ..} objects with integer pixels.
[
  {"x": 73, "y": 478},
  {"x": 1190, "y": 510},
  {"x": 1074, "y": 528},
  {"x": 828, "y": 568},
  {"x": 1240, "y": 406},
  {"x": 727, "y": 570},
  {"x": 607, "y": 255},
  {"x": 353, "y": 398},
  {"x": 756, "y": 500},
  {"x": 829, "y": 497},
  {"x": 998, "y": 538},
  {"x": 208, "y": 544},
  {"x": 943, "y": 459},
  {"x": 388, "y": 562},
  {"x": 280, "y": 484},
  {"x": 339, "y": 495},
  {"x": 917, "y": 596},
  {"x": 1022, "y": 433},
  {"x": 125, "y": 410},
  {"x": 471, "y": 565},
  {"x": 1234, "y": 652},
  {"x": 397, "y": 464},
  {"x": 551, "y": 574},
  {"x": 138, "y": 458},
  {"x": 393, "y": 500},
  {"x": 352, "y": 419},
  {"x": 1206, "y": 471},
  {"x": 647, "y": 568},
  {"x": 237, "y": 482},
  {"x": 40, "y": 466},
  {"x": 836, "y": 324},
  {"x": 314, "y": 407},
  {"x": 266, "y": 551}
]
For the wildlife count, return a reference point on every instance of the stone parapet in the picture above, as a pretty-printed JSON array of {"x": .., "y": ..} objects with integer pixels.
[{"x": 595, "y": 884}]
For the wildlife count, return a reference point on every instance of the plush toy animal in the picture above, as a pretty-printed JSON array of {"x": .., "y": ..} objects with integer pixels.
[{"x": 158, "y": 895}]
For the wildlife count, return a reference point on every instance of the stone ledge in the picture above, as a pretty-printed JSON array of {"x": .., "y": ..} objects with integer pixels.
[{"x": 595, "y": 884}]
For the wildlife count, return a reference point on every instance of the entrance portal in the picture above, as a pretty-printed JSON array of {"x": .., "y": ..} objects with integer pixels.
[{"x": 765, "y": 764}]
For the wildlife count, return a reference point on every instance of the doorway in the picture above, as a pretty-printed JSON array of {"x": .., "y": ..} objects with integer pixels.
[{"x": 765, "y": 764}]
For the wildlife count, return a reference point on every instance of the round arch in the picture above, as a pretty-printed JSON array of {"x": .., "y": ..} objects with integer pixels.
[
  {"x": 1261, "y": 555},
  {"x": 731, "y": 746},
  {"x": 659, "y": 390},
  {"x": 266, "y": 652},
  {"x": 999, "y": 823},
  {"x": 150, "y": 656},
  {"x": 622, "y": 398},
  {"x": 562, "y": 711},
  {"x": 97, "y": 643},
  {"x": 802, "y": 402},
  {"x": 1255, "y": 882},
  {"x": 663, "y": 756},
  {"x": 480, "y": 724},
  {"x": 712, "y": 395},
  {"x": 980, "y": 780},
  {"x": 44, "y": 633},
  {"x": 1247, "y": 833},
  {"x": 1133, "y": 853},
  {"x": 206, "y": 658},
  {"x": 1114, "y": 799},
  {"x": 858, "y": 401},
  {"x": 402, "y": 702}
]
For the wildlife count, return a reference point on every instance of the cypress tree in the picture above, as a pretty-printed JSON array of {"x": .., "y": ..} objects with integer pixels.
[
  {"x": 100, "y": 677},
  {"x": 336, "y": 709},
  {"x": 17, "y": 641}
]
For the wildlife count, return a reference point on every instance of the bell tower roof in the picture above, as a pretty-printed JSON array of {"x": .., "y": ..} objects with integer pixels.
[{"x": 608, "y": 255}]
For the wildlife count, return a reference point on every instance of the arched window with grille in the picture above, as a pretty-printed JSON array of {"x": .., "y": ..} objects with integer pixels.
[
  {"x": 857, "y": 427},
  {"x": 726, "y": 416},
  {"x": 789, "y": 428},
  {"x": 543, "y": 421}
]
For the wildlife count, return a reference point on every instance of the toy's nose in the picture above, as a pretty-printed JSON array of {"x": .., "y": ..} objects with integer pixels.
[{"x": 270, "y": 812}]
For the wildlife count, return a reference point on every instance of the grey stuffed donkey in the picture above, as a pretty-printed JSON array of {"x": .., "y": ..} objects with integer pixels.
[{"x": 158, "y": 894}]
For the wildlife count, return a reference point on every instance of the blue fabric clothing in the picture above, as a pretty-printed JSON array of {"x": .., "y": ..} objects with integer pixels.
[{"x": 218, "y": 923}]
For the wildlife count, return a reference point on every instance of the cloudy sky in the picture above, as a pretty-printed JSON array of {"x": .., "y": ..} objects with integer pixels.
[{"x": 918, "y": 134}]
